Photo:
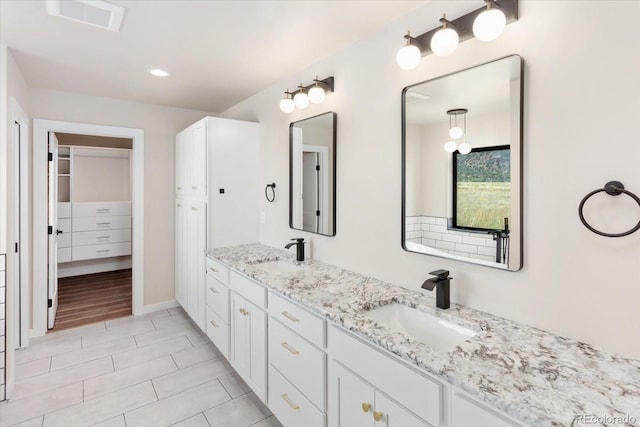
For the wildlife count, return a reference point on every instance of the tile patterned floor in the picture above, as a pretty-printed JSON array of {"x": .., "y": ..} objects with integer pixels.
[{"x": 153, "y": 370}]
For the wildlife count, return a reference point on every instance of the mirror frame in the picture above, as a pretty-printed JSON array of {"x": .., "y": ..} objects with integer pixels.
[
  {"x": 520, "y": 159},
  {"x": 332, "y": 162}
]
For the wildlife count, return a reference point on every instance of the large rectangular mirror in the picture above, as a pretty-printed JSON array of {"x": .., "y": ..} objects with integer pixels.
[
  {"x": 461, "y": 165},
  {"x": 312, "y": 174}
]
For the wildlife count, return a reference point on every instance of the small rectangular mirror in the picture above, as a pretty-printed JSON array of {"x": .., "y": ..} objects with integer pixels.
[
  {"x": 461, "y": 165},
  {"x": 312, "y": 174}
]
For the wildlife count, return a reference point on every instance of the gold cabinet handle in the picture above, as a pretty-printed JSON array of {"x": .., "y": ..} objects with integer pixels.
[
  {"x": 213, "y": 269},
  {"x": 193, "y": 187},
  {"x": 289, "y": 348},
  {"x": 290, "y": 317},
  {"x": 377, "y": 415},
  {"x": 241, "y": 311},
  {"x": 179, "y": 205},
  {"x": 215, "y": 291},
  {"x": 366, "y": 406},
  {"x": 179, "y": 188},
  {"x": 213, "y": 324},
  {"x": 289, "y": 402},
  {"x": 193, "y": 208}
]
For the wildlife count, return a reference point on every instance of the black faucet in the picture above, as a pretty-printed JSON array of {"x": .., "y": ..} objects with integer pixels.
[
  {"x": 299, "y": 242},
  {"x": 441, "y": 283}
]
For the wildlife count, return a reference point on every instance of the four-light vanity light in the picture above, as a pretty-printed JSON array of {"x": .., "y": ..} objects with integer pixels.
[
  {"x": 300, "y": 98},
  {"x": 456, "y": 132},
  {"x": 485, "y": 24}
]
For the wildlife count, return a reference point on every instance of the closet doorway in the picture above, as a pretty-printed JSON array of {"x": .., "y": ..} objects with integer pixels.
[{"x": 88, "y": 264}]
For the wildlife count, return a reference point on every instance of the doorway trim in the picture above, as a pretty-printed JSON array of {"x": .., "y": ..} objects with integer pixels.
[{"x": 41, "y": 129}]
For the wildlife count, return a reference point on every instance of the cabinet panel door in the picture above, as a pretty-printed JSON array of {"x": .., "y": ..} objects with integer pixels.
[
  {"x": 198, "y": 163},
  {"x": 393, "y": 415},
  {"x": 257, "y": 323},
  {"x": 199, "y": 242},
  {"x": 181, "y": 166},
  {"x": 465, "y": 412},
  {"x": 351, "y": 399},
  {"x": 179, "y": 276},
  {"x": 239, "y": 342}
]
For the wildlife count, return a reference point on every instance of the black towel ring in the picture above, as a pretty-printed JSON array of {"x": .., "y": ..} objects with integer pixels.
[
  {"x": 272, "y": 186},
  {"x": 612, "y": 188}
]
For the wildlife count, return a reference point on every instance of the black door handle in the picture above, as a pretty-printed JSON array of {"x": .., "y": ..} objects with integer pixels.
[{"x": 58, "y": 231}]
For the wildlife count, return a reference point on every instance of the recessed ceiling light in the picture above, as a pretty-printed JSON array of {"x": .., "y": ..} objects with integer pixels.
[{"x": 158, "y": 72}]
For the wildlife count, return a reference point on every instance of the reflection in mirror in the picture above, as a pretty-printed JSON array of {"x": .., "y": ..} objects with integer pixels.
[
  {"x": 461, "y": 160},
  {"x": 312, "y": 160}
]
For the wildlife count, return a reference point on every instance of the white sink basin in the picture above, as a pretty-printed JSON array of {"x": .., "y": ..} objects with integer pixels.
[
  {"x": 426, "y": 328},
  {"x": 279, "y": 267}
]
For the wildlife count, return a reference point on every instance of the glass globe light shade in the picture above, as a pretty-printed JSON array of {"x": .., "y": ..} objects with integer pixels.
[
  {"x": 489, "y": 25},
  {"x": 287, "y": 105},
  {"x": 444, "y": 42},
  {"x": 464, "y": 148},
  {"x": 316, "y": 94},
  {"x": 301, "y": 100},
  {"x": 456, "y": 132},
  {"x": 450, "y": 146},
  {"x": 408, "y": 57}
]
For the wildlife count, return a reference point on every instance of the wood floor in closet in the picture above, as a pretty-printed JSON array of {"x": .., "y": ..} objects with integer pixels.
[{"x": 93, "y": 298}]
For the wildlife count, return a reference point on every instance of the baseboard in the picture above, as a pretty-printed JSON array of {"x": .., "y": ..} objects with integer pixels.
[{"x": 150, "y": 308}]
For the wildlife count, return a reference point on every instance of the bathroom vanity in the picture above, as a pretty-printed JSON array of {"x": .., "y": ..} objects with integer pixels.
[{"x": 324, "y": 346}]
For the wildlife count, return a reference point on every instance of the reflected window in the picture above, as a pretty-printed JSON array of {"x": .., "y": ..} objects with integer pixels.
[{"x": 482, "y": 189}]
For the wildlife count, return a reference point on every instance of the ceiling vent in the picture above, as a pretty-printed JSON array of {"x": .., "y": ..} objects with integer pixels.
[{"x": 97, "y": 13}]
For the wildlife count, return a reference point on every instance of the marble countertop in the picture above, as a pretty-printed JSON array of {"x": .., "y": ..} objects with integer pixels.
[{"x": 538, "y": 378}]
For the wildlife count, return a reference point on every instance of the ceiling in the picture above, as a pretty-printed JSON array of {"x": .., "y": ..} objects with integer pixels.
[{"x": 218, "y": 52}]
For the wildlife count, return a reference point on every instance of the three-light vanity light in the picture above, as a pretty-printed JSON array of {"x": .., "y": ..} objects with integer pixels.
[
  {"x": 485, "y": 24},
  {"x": 304, "y": 95}
]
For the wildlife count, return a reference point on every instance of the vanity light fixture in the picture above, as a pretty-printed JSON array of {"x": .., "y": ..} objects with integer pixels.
[
  {"x": 456, "y": 132},
  {"x": 314, "y": 93},
  {"x": 486, "y": 24},
  {"x": 445, "y": 41}
]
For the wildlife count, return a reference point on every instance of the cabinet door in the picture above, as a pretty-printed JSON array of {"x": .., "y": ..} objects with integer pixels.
[
  {"x": 239, "y": 335},
  {"x": 198, "y": 159},
  {"x": 351, "y": 399},
  {"x": 466, "y": 412},
  {"x": 179, "y": 272},
  {"x": 181, "y": 166},
  {"x": 197, "y": 242},
  {"x": 391, "y": 414},
  {"x": 257, "y": 367}
]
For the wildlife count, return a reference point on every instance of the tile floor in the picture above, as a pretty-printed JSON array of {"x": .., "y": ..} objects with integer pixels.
[{"x": 154, "y": 370}]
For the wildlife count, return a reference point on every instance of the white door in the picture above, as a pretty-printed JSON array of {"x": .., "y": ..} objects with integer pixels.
[
  {"x": 353, "y": 399},
  {"x": 310, "y": 192},
  {"x": 52, "y": 269}
]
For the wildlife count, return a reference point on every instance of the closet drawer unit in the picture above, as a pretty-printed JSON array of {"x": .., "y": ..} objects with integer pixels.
[
  {"x": 64, "y": 225},
  {"x": 83, "y": 238},
  {"x": 218, "y": 332},
  {"x": 64, "y": 254},
  {"x": 64, "y": 240},
  {"x": 289, "y": 405},
  {"x": 297, "y": 318},
  {"x": 217, "y": 270},
  {"x": 218, "y": 298},
  {"x": 64, "y": 210},
  {"x": 248, "y": 288},
  {"x": 100, "y": 251},
  {"x": 101, "y": 209},
  {"x": 299, "y": 361},
  {"x": 97, "y": 223}
]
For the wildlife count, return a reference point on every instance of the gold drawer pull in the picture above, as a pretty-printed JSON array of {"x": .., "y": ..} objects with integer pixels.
[
  {"x": 193, "y": 208},
  {"x": 290, "y": 317},
  {"x": 215, "y": 291},
  {"x": 103, "y": 251},
  {"x": 289, "y": 348},
  {"x": 179, "y": 205},
  {"x": 289, "y": 402},
  {"x": 193, "y": 187},
  {"x": 102, "y": 237},
  {"x": 213, "y": 324},
  {"x": 103, "y": 223},
  {"x": 366, "y": 406},
  {"x": 377, "y": 415},
  {"x": 179, "y": 188},
  {"x": 213, "y": 269}
]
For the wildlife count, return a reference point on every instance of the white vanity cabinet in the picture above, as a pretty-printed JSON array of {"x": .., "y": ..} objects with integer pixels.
[
  {"x": 217, "y": 325},
  {"x": 467, "y": 412},
  {"x": 248, "y": 354}
]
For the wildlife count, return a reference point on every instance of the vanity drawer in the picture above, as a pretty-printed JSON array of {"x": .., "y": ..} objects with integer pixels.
[
  {"x": 299, "y": 361},
  {"x": 248, "y": 288},
  {"x": 98, "y": 223},
  {"x": 397, "y": 380},
  {"x": 64, "y": 210},
  {"x": 218, "y": 298},
  {"x": 289, "y": 406},
  {"x": 297, "y": 318},
  {"x": 82, "y": 238},
  {"x": 100, "y": 251},
  {"x": 218, "y": 332},
  {"x": 64, "y": 254},
  {"x": 64, "y": 225},
  {"x": 101, "y": 209},
  {"x": 217, "y": 270}
]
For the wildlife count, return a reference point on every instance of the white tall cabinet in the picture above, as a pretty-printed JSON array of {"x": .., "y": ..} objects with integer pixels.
[{"x": 217, "y": 195}]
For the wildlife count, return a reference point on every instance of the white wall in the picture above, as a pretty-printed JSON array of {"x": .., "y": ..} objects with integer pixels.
[
  {"x": 581, "y": 108},
  {"x": 160, "y": 125}
]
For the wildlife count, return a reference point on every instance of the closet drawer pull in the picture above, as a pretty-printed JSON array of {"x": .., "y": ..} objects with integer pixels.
[
  {"x": 194, "y": 187},
  {"x": 103, "y": 223},
  {"x": 214, "y": 324},
  {"x": 290, "y": 317},
  {"x": 289, "y": 348},
  {"x": 194, "y": 208},
  {"x": 103, "y": 251},
  {"x": 213, "y": 269},
  {"x": 179, "y": 205},
  {"x": 103, "y": 210},
  {"x": 102, "y": 237},
  {"x": 289, "y": 402},
  {"x": 214, "y": 290},
  {"x": 179, "y": 188}
]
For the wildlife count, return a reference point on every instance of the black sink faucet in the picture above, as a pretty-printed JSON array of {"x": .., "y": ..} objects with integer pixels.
[
  {"x": 441, "y": 283},
  {"x": 299, "y": 242}
]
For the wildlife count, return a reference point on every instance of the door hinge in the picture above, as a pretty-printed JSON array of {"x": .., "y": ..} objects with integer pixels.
[
  {"x": 50, "y": 229},
  {"x": 317, "y": 167},
  {"x": 317, "y": 213},
  {"x": 50, "y": 157},
  {"x": 49, "y": 303},
  {"x": 16, "y": 247}
]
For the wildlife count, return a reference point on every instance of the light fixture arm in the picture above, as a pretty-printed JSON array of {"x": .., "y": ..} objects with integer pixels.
[{"x": 464, "y": 24}]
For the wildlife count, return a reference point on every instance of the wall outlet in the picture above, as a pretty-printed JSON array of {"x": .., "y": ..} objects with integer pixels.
[{"x": 263, "y": 218}]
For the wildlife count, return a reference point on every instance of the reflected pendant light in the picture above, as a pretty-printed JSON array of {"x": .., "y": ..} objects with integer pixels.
[
  {"x": 408, "y": 56},
  {"x": 489, "y": 24},
  {"x": 445, "y": 41},
  {"x": 456, "y": 132}
]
